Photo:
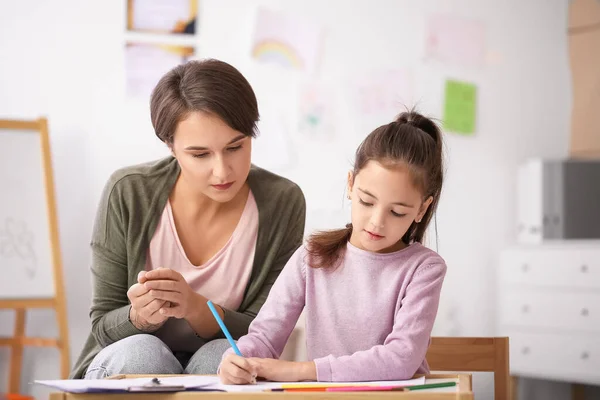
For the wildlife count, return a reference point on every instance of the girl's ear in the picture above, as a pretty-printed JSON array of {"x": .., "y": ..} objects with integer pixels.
[
  {"x": 350, "y": 183},
  {"x": 423, "y": 209}
]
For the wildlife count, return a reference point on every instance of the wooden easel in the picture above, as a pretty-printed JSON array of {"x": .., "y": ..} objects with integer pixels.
[{"x": 19, "y": 340}]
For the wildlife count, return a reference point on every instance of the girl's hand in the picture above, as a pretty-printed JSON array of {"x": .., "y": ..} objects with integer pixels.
[
  {"x": 144, "y": 308},
  {"x": 284, "y": 371},
  {"x": 167, "y": 285},
  {"x": 236, "y": 370}
]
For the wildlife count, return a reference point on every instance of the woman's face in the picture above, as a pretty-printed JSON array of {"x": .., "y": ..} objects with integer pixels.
[{"x": 214, "y": 158}]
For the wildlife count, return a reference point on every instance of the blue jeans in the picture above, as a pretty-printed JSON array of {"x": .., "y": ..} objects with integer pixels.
[{"x": 147, "y": 354}]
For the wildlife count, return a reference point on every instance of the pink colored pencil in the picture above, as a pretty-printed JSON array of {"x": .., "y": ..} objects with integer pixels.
[{"x": 362, "y": 388}]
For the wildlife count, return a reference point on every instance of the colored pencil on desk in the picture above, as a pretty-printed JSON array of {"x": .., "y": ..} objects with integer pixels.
[
  {"x": 430, "y": 386},
  {"x": 365, "y": 389},
  {"x": 317, "y": 385}
]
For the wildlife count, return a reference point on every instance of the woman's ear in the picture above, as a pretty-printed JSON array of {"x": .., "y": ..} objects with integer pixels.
[{"x": 423, "y": 209}]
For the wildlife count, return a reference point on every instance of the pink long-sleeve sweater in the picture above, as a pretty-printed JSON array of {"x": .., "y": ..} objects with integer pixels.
[{"x": 369, "y": 319}]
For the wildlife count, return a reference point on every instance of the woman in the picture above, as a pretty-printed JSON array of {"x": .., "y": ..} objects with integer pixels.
[{"x": 203, "y": 224}]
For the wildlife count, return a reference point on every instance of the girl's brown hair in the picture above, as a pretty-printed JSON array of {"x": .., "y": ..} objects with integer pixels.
[
  {"x": 210, "y": 86},
  {"x": 411, "y": 140}
]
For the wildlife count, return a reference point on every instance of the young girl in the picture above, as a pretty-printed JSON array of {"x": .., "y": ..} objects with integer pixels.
[{"x": 371, "y": 290}]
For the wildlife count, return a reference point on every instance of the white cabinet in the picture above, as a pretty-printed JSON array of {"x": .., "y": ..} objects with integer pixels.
[{"x": 549, "y": 306}]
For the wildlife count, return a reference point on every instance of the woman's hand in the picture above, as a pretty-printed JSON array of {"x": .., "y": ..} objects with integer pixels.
[
  {"x": 236, "y": 370},
  {"x": 144, "y": 312},
  {"x": 167, "y": 285},
  {"x": 284, "y": 371}
]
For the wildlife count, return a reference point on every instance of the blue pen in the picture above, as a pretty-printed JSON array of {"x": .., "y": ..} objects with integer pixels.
[{"x": 223, "y": 328}]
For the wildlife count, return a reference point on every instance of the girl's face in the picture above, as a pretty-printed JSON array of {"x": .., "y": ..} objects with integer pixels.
[
  {"x": 214, "y": 158},
  {"x": 384, "y": 205}
]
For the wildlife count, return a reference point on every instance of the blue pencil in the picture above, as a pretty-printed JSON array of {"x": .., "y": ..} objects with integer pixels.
[{"x": 224, "y": 328}]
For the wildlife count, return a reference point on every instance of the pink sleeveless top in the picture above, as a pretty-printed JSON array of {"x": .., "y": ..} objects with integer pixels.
[{"x": 224, "y": 277}]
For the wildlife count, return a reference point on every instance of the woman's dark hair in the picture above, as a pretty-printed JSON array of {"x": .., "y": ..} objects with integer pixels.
[
  {"x": 412, "y": 140},
  {"x": 209, "y": 86}
]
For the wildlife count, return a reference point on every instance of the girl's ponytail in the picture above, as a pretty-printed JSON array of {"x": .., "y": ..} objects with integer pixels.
[{"x": 326, "y": 248}]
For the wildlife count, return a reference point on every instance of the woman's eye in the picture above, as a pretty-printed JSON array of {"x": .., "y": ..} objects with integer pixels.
[
  {"x": 236, "y": 148},
  {"x": 395, "y": 214},
  {"x": 364, "y": 203}
]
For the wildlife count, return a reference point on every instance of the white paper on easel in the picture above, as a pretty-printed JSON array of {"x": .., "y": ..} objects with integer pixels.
[{"x": 25, "y": 252}]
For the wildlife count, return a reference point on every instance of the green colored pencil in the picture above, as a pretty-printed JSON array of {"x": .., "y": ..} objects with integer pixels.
[{"x": 430, "y": 386}]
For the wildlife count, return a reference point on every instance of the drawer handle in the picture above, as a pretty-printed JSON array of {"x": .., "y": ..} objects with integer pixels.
[
  {"x": 524, "y": 267},
  {"x": 525, "y": 309},
  {"x": 584, "y": 268},
  {"x": 525, "y": 350},
  {"x": 585, "y": 355},
  {"x": 585, "y": 312}
]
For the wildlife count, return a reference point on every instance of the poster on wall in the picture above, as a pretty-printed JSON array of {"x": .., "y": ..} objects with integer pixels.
[
  {"x": 146, "y": 63},
  {"x": 286, "y": 40},
  {"x": 162, "y": 16},
  {"x": 316, "y": 111},
  {"x": 460, "y": 107},
  {"x": 454, "y": 40},
  {"x": 383, "y": 93}
]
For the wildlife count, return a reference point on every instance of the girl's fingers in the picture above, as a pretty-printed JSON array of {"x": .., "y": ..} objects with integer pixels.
[{"x": 239, "y": 370}]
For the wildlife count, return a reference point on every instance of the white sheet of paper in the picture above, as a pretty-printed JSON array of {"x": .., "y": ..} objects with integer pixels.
[
  {"x": 382, "y": 92},
  {"x": 196, "y": 381},
  {"x": 145, "y": 64},
  {"x": 455, "y": 40},
  {"x": 287, "y": 40},
  {"x": 261, "y": 385},
  {"x": 106, "y": 385}
]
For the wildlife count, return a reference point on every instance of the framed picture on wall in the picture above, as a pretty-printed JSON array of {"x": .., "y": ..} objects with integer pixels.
[
  {"x": 162, "y": 16},
  {"x": 145, "y": 64}
]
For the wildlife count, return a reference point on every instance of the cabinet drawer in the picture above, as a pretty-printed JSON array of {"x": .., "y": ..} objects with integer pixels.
[
  {"x": 555, "y": 356},
  {"x": 550, "y": 309},
  {"x": 561, "y": 266}
]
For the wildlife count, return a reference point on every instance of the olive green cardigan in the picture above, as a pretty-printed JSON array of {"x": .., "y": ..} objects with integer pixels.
[{"x": 131, "y": 205}]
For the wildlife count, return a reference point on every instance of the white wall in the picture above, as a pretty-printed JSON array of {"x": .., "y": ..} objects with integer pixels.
[{"x": 64, "y": 59}]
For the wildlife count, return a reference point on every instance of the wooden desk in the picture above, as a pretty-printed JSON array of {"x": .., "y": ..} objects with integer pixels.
[{"x": 462, "y": 391}]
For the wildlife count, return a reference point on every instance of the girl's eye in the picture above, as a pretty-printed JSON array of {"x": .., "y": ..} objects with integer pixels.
[
  {"x": 201, "y": 155},
  {"x": 395, "y": 214},
  {"x": 235, "y": 148},
  {"x": 364, "y": 203}
]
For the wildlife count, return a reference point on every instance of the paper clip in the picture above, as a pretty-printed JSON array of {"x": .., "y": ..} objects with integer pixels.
[{"x": 155, "y": 385}]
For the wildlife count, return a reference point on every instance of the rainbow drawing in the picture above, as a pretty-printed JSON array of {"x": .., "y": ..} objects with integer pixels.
[{"x": 277, "y": 52}]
